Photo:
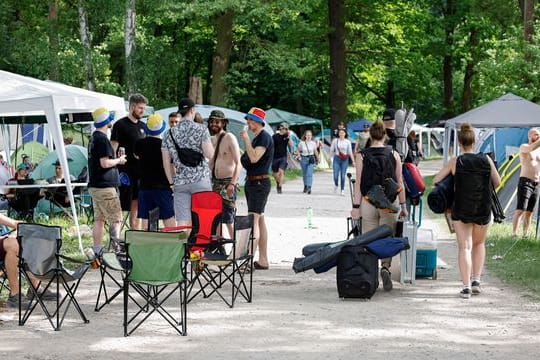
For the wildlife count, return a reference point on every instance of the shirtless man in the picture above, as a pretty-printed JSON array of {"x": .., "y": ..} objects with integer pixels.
[
  {"x": 226, "y": 165},
  {"x": 527, "y": 193}
]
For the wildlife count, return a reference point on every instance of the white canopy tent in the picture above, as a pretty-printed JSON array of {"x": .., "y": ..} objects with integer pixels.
[
  {"x": 22, "y": 96},
  {"x": 508, "y": 111}
]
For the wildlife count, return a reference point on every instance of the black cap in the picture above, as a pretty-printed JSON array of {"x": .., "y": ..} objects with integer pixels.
[
  {"x": 185, "y": 104},
  {"x": 389, "y": 114}
]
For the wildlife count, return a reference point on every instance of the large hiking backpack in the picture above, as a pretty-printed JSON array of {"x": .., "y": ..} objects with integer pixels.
[{"x": 357, "y": 273}]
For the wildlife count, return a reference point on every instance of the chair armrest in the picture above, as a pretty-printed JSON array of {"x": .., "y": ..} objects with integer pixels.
[{"x": 73, "y": 259}]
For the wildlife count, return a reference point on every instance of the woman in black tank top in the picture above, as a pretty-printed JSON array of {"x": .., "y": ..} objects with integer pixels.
[{"x": 474, "y": 175}]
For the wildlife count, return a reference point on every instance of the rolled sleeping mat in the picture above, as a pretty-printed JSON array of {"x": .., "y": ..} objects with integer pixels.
[
  {"x": 329, "y": 253},
  {"x": 441, "y": 196}
]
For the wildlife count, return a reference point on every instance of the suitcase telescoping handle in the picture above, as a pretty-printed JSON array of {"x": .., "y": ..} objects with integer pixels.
[{"x": 351, "y": 186}]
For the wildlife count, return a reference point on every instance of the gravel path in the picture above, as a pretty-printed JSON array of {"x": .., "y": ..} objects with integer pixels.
[{"x": 299, "y": 316}]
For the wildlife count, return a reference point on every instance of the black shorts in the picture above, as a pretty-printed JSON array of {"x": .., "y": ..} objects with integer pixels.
[
  {"x": 526, "y": 194},
  {"x": 129, "y": 192},
  {"x": 279, "y": 163},
  {"x": 257, "y": 192}
]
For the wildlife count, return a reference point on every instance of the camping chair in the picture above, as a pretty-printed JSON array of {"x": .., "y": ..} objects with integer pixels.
[
  {"x": 113, "y": 267},
  {"x": 40, "y": 258},
  {"x": 206, "y": 207},
  {"x": 233, "y": 267},
  {"x": 157, "y": 272}
]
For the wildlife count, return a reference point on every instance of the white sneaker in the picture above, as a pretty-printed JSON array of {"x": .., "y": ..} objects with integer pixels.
[
  {"x": 342, "y": 192},
  {"x": 335, "y": 189}
]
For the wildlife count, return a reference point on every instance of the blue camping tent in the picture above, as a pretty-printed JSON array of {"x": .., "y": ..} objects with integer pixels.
[{"x": 358, "y": 125}]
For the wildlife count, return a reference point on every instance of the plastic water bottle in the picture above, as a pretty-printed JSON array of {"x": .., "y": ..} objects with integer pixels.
[{"x": 309, "y": 216}]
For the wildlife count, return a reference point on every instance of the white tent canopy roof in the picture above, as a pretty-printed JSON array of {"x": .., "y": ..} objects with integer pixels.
[{"x": 21, "y": 95}]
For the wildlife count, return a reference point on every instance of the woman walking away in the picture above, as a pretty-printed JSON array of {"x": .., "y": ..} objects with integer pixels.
[
  {"x": 374, "y": 167},
  {"x": 307, "y": 152},
  {"x": 474, "y": 175},
  {"x": 341, "y": 152}
]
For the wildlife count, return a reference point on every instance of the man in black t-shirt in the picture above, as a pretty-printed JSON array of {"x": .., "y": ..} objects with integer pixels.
[
  {"x": 154, "y": 188},
  {"x": 256, "y": 160},
  {"x": 279, "y": 164},
  {"x": 125, "y": 133},
  {"x": 103, "y": 181}
]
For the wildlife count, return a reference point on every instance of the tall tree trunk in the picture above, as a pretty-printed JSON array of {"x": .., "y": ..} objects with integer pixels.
[
  {"x": 338, "y": 70},
  {"x": 469, "y": 71},
  {"x": 448, "y": 86},
  {"x": 129, "y": 44},
  {"x": 87, "y": 46},
  {"x": 527, "y": 10},
  {"x": 220, "y": 62},
  {"x": 195, "y": 90},
  {"x": 54, "y": 41}
]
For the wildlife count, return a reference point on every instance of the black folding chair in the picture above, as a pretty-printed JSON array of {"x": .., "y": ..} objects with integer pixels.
[
  {"x": 40, "y": 258},
  {"x": 231, "y": 270}
]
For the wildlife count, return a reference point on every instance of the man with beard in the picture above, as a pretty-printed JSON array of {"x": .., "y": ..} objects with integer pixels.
[
  {"x": 125, "y": 134},
  {"x": 226, "y": 165},
  {"x": 103, "y": 181}
]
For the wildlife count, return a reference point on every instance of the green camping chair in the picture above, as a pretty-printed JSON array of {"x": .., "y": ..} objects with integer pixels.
[{"x": 157, "y": 272}]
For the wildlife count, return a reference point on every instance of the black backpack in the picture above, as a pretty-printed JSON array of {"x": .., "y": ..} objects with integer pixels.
[
  {"x": 357, "y": 273},
  {"x": 378, "y": 164}
]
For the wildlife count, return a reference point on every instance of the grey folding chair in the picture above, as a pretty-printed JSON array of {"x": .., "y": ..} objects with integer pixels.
[{"x": 40, "y": 258}]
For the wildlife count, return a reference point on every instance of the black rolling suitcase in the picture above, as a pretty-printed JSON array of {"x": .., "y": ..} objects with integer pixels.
[{"x": 357, "y": 273}]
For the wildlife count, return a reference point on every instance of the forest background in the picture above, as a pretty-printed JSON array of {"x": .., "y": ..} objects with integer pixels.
[{"x": 334, "y": 60}]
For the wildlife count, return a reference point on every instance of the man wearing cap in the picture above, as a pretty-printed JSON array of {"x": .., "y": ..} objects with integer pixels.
[
  {"x": 226, "y": 165},
  {"x": 59, "y": 195},
  {"x": 154, "y": 188},
  {"x": 104, "y": 181},
  {"x": 390, "y": 127},
  {"x": 190, "y": 177},
  {"x": 257, "y": 159},
  {"x": 281, "y": 141},
  {"x": 125, "y": 133}
]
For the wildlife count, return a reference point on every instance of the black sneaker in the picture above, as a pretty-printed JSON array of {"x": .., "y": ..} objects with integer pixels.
[
  {"x": 279, "y": 189},
  {"x": 386, "y": 277},
  {"x": 44, "y": 295},
  {"x": 309, "y": 190},
  {"x": 13, "y": 302},
  {"x": 465, "y": 293},
  {"x": 305, "y": 189},
  {"x": 475, "y": 288}
]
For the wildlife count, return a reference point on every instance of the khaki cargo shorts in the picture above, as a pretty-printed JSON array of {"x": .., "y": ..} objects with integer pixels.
[{"x": 106, "y": 202}]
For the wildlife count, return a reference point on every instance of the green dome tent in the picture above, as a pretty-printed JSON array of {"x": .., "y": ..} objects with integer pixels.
[
  {"x": 37, "y": 151},
  {"x": 77, "y": 157}
]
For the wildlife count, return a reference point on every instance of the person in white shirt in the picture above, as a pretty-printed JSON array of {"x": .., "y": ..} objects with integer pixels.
[
  {"x": 341, "y": 152},
  {"x": 309, "y": 157}
]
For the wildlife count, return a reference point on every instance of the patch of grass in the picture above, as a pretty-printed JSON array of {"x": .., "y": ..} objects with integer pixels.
[{"x": 520, "y": 264}]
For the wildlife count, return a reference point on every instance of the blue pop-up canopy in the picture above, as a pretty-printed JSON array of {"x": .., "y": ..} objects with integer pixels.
[{"x": 358, "y": 125}]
